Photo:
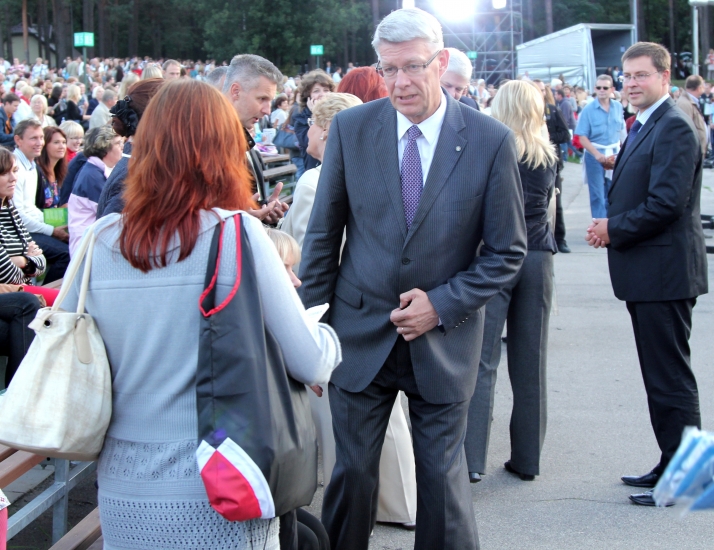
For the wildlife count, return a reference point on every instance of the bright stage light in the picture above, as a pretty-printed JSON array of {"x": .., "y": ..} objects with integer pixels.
[
  {"x": 499, "y": 4},
  {"x": 407, "y": 3},
  {"x": 455, "y": 10}
]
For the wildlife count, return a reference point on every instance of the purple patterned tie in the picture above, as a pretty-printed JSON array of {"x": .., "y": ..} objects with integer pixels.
[{"x": 412, "y": 179}]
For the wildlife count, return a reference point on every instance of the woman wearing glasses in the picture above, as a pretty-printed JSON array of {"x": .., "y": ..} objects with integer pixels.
[{"x": 524, "y": 302}]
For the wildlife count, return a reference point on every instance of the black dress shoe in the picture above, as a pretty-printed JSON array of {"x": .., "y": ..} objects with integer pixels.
[
  {"x": 646, "y": 499},
  {"x": 524, "y": 477},
  {"x": 474, "y": 477},
  {"x": 647, "y": 480},
  {"x": 563, "y": 247}
]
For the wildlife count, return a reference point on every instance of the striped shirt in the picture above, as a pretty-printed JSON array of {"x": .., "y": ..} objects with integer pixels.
[{"x": 14, "y": 240}]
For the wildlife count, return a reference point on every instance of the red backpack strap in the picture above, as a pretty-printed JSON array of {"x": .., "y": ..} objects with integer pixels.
[{"x": 239, "y": 262}]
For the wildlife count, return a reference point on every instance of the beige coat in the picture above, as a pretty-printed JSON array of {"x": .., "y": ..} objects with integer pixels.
[{"x": 691, "y": 109}]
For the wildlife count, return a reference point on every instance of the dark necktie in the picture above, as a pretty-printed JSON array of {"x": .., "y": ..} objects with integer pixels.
[
  {"x": 633, "y": 133},
  {"x": 412, "y": 179}
]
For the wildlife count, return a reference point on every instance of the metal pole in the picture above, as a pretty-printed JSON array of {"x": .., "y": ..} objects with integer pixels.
[
  {"x": 695, "y": 39},
  {"x": 86, "y": 66},
  {"x": 61, "y": 507},
  {"x": 634, "y": 18}
]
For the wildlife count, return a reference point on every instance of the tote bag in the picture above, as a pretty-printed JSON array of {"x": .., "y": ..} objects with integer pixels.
[
  {"x": 257, "y": 450},
  {"x": 59, "y": 402}
]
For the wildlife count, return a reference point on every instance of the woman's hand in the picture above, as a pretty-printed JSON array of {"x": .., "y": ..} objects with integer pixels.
[
  {"x": 317, "y": 390},
  {"x": 312, "y": 102},
  {"x": 19, "y": 261},
  {"x": 34, "y": 250}
]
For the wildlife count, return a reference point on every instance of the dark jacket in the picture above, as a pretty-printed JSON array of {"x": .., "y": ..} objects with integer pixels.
[
  {"x": 112, "y": 198},
  {"x": 72, "y": 170},
  {"x": 301, "y": 127},
  {"x": 537, "y": 189},
  {"x": 6, "y": 140},
  {"x": 657, "y": 250},
  {"x": 557, "y": 126},
  {"x": 466, "y": 100}
]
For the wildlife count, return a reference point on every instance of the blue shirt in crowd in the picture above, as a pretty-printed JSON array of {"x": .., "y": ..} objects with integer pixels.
[{"x": 600, "y": 126}]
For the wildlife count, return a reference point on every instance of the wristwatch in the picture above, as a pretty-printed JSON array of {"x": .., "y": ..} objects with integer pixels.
[{"x": 29, "y": 268}]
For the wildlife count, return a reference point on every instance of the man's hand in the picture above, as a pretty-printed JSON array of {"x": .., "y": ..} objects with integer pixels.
[
  {"x": 415, "y": 314},
  {"x": 273, "y": 209},
  {"x": 609, "y": 163},
  {"x": 597, "y": 235},
  {"x": 61, "y": 234}
]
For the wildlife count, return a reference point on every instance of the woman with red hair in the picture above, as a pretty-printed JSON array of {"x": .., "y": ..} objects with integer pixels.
[
  {"x": 365, "y": 83},
  {"x": 187, "y": 174}
]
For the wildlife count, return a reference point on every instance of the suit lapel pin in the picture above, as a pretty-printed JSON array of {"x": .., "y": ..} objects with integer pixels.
[{"x": 458, "y": 147}]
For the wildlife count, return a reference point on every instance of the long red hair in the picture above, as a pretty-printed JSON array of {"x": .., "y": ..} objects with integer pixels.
[
  {"x": 188, "y": 156},
  {"x": 365, "y": 83}
]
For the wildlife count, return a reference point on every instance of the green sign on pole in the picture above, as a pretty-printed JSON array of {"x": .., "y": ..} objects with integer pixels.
[
  {"x": 84, "y": 40},
  {"x": 317, "y": 49},
  {"x": 472, "y": 54}
]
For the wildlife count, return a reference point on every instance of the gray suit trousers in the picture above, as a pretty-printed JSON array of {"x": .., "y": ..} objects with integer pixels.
[
  {"x": 445, "y": 515},
  {"x": 525, "y": 303}
]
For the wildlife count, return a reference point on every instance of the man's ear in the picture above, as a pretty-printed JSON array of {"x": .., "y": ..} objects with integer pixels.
[
  {"x": 17, "y": 140},
  {"x": 235, "y": 91}
]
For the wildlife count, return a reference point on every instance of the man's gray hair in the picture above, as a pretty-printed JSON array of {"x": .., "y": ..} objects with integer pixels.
[
  {"x": 459, "y": 63},
  {"x": 108, "y": 95},
  {"x": 246, "y": 69},
  {"x": 217, "y": 77},
  {"x": 170, "y": 62},
  {"x": 408, "y": 24}
]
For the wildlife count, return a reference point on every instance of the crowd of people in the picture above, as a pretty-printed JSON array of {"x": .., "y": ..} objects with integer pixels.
[{"x": 424, "y": 225}]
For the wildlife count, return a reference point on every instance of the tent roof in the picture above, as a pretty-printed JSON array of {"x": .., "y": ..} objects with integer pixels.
[{"x": 577, "y": 28}]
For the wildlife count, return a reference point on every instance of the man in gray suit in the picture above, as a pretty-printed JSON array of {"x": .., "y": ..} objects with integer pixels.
[{"x": 418, "y": 181}]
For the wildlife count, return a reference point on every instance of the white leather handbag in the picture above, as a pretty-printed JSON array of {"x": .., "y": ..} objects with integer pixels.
[{"x": 59, "y": 402}]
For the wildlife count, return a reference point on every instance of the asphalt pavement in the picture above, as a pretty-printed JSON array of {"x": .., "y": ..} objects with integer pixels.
[{"x": 598, "y": 424}]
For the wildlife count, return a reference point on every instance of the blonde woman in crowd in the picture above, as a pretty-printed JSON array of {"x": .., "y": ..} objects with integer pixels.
[
  {"x": 525, "y": 301},
  {"x": 397, "y": 486},
  {"x": 75, "y": 138},
  {"x": 151, "y": 71},
  {"x": 126, "y": 83},
  {"x": 38, "y": 104}
]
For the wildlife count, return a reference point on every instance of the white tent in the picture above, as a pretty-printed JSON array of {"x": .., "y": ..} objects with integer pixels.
[{"x": 579, "y": 53}]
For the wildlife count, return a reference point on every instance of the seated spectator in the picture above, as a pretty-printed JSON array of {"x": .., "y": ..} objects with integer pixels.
[
  {"x": 280, "y": 111},
  {"x": 38, "y": 104},
  {"x": 29, "y": 141},
  {"x": 313, "y": 87},
  {"x": 101, "y": 115},
  {"x": 20, "y": 259},
  {"x": 75, "y": 138},
  {"x": 53, "y": 168},
  {"x": 97, "y": 94},
  {"x": 7, "y": 123},
  {"x": 71, "y": 112},
  {"x": 103, "y": 150},
  {"x": 126, "y": 115}
]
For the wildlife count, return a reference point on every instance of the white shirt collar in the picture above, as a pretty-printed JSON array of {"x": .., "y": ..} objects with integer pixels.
[
  {"x": 430, "y": 128},
  {"x": 644, "y": 116},
  {"x": 26, "y": 163}
]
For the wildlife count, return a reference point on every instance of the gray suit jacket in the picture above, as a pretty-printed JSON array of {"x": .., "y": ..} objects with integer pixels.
[{"x": 472, "y": 194}]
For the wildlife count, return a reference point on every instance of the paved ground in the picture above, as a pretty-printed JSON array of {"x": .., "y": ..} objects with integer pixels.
[{"x": 598, "y": 426}]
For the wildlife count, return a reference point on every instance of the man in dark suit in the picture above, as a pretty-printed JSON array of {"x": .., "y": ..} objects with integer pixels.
[
  {"x": 656, "y": 249},
  {"x": 457, "y": 77},
  {"x": 418, "y": 180}
]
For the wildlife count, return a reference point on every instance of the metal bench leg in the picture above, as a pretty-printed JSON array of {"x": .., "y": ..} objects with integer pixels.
[{"x": 61, "y": 507}]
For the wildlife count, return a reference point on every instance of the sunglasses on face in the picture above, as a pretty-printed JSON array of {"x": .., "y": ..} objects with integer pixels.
[{"x": 602, "y": 87}]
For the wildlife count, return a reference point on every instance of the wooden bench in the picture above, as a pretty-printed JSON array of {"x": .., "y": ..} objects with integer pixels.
[
  {"x": 86, "y": 535},
  {"x": 275, "y": 159},
  {"x": 14, "y": 464},
  {"x": 272, "y": 174}
]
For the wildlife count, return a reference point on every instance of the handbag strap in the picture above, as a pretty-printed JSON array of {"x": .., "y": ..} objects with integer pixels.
[
  {"x": 86, "y": 249},
  {"x": 210, "y": 290}
]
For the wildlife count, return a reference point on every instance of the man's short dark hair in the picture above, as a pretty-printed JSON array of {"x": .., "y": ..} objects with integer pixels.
[
  {"x": 693, "y": 82},
  {"x": 560, "y": 92},
  {"x": 10, "y": 98},
  {"x": 246, "y": 69},
  {"x": 657, "y": 53},
  {"x": 25, "y": 125}
]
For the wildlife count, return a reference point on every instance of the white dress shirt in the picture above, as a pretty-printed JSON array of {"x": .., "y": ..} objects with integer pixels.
[
  {"x": 24, "y": 197},
  {"x": 644, "y": 116},
  {"x": 426, "y": 142}
]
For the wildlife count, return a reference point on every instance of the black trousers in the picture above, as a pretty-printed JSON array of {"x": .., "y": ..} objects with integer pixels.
[
  {"x": 55, "y": 252},
  {"x": 17, "y": 310},
  {"x": 662, "y": 331},
  {"x": 445, "y": 516},
  {"x": 559, "y": 229}
]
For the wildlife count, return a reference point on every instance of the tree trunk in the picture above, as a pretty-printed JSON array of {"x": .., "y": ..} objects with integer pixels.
[
  {"x": 10, "y": 53},
  {"x": 548, "y": 16},
  {"x": 88, "y": 22},
  {"x": 102, "y": 27},
  {"x": 25, "y": 34},
  {"x": 114, "y": 30},
  {"x": 641, "y": 26},
  {"x": 2, "y": 35},
  {"x": 134, "y": 30},
  {"x": 375, "y": 13},
  {"x": 156, "y": 32},
  {"x": 704, "y": 35},
  {"x": 672, "y": 44}
]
